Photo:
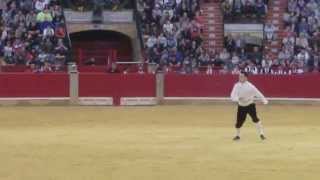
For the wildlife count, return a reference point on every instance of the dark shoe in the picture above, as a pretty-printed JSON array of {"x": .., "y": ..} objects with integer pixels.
[
  {"x": 262, "y": 137},
  {"x": 237, "y": 138}
]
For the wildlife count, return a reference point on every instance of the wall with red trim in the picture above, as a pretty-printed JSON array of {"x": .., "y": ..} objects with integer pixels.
[
  {"x": 116, "y": 85},
  {"x": 293, "y": 86},
  {"x": 34, "y": 85}
]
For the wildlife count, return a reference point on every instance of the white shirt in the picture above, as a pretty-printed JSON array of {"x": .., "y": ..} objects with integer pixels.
[
  {"x": 40, "y": 5},
  {"x": 168, "y": 27},
  {"x": 151, "y": 41},
  {"x": 245, "y": 93},
  {"x": 48, "y": 32}
]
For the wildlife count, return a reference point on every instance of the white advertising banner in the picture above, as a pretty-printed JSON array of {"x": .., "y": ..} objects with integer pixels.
[
  {"x": 96, "y": 101},
  {"x": 138, "y": 101}
]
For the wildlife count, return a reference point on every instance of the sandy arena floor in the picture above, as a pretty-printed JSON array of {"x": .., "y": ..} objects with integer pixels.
[{"x": 157, "y": 143}]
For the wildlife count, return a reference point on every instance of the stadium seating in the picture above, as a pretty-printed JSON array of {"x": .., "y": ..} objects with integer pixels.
[
  {"x": 33, "y": 36},
  {"x": 172, "y": 34},
  {"x": 210, "y": 55},
  {"x": 184, "y": 36}
]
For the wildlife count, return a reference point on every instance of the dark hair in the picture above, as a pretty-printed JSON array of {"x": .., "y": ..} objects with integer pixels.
[{"x": 246, "y": 74}]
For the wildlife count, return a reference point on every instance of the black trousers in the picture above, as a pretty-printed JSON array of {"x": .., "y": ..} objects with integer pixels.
[{"x": 242, "y": 114}]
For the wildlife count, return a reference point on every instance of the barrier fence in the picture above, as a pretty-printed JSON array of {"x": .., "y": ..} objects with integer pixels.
[
  {"x": 276, "y": 86},
  {"x": 14, "y": 85},
  {"x": 127, "y": 88},
  {"x": 116, "y": 85}
]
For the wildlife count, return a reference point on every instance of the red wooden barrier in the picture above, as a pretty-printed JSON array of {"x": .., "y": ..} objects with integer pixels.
[
  {"x": 34, "y": 85},
  {"x": 135, "y": 85},
  {"x": 116, "y": 85},
  {"x": 294, "y": 86}
]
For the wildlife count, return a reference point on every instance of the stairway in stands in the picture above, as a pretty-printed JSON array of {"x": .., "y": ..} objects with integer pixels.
[
  {"x": 275, "y": 14},
  {"x": 213, "y": 25}
]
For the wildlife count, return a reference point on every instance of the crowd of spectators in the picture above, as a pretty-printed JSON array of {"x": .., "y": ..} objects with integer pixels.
[
  {"x": 301, "y": 38},
  {"x": 173, "y": 40},
  {"x": 172, "y": 33},
  {"x": 239, "y": 55},
  {"x": 32, "y": 34},
  {"x": 299, "y": 52},
  {"x": 245, "y": 56},
  {"x": 237, "y": 10}
]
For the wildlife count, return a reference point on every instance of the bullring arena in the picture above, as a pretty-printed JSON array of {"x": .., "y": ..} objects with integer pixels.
[
  {"x": 181, "y": 138},
  {"x": 140, "y": 89}
]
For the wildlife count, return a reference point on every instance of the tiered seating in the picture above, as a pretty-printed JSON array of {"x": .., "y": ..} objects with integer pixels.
[
  {"x": 301, "y": 37},
  {"x": 33, "y": 36},
  {"x": 172, "y": 34}
]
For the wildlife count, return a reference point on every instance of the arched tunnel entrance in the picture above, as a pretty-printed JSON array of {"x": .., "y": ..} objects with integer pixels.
[{"x": 102, "y": 45}]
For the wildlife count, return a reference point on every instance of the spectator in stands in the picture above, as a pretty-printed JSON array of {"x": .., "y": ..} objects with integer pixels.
[
  {"x": 229, "y": 43},
  {"x": 224, "y": 55},
  {"x": 60, "y": 31},
  {"x": 60, "y": 48},
  {"x": 227, "y": 9},
  {"x": 204, "y": 59},
  {"x": 240, "y": 43},
  {"x": 269, "y": 31},
  {"x": 261, "y": 8},
  {"x": 248, "y": 8},
  {"x": 235, "y": 60},
  {"x": 40, "y": 5},
  {"x": 237, "y": 6},
  {"x": 168, "y": 28},
  {"x": 303, "y": 26},
  {"x": 256, "y": 56},
  {"x": 46, "y": 67},
  {"x": 48, "y": 32},
  {"x": 8, "y": 53}
]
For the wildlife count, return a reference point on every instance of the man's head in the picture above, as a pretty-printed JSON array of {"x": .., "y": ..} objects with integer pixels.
[{"x": 243, "y": 76}]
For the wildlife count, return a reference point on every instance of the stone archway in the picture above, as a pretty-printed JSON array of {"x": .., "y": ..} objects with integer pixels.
[
  {"x": 125, "y": 29},
  {"x": 104, "y": 46},
  {"x": 128, "y": 29}
]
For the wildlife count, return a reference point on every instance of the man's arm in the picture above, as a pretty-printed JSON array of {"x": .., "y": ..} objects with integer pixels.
[
  {"x": 259, "y": 95},
  {"x": 234, "y": 94}
]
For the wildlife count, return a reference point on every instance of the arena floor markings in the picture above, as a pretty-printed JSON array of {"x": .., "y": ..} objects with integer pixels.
[{"x": 156, "y": 143}]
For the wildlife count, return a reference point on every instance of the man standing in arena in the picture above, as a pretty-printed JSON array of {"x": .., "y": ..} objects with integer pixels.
[{"x": 244, "y": 94}]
